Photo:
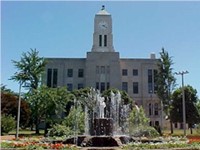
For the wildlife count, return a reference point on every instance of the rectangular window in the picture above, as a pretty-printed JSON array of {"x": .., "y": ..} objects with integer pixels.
[
  {"x": 108, "y": 85},
  {"x": 135, "y": 72},
  {"x": 125, "y": 86},
  {"x": 155, "y": 73},
  {"x": 150, "y": 81},
  {"x": 80, "y": 73},
  {"x": 135, "y": 88},
  {"x": 100, "y": 40},
  {"x": 102, "y": 87},
  {"x": 156, "y": 109},
  {"x": 49, "y": 77},
  {"x": 55, "y": 77},
  {"x": 97, "y": 85},
  {"x": 105, "y": 40},
  {"x": 80, "y": 86},
  {"x": 69, "y": 87},
  {"x": 124, "y": 72},
  {"x": 69, "y": 72}
]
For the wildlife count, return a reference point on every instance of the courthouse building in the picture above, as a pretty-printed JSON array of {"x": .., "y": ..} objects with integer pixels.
[{"x": 103, "y": 69}]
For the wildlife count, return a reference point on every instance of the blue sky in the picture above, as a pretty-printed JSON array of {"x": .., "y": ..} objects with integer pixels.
[{"x": 64, "y": 29}]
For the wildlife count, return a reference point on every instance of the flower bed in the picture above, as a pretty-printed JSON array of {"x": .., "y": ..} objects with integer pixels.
[
  {"x": 193, "y": 139},
  {"x": 34, "y": 143}
]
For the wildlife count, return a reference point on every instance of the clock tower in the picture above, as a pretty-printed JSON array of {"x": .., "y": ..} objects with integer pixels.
[{"x": 102, "y": 36}]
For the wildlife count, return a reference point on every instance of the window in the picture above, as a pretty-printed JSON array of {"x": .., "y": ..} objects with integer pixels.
[
  {"x": 150, "y": 123},
  {"x": 156, "y": 123},
  {"x": 135, "y": 88},
  {"x": 102, "y": 87},
  {"x": 124, "y": 72},
  {"x": 155, "y": 73},
  {"x": 49, "y": 77},
  {"x": 108, "y": 85},
  {"x": 105, "y": 40},
  {"x": 69, "y": 87},
  {"x": 156, "y": 109},
  {"x": 100, "y": 40},
  {"x": 80, "y": 73},
  {"x": 52, "y": 77},
  {"x": 150, "y": 81},
  {"x": 69, "y": 72},
  {"x": 97, "y": 85},
  {"x": 152, "y": 77},
  {"x": 125, "y": 86},
  {"x": 80, "y": 85},
  {"x": 135, "y": 72},
  {"x": 150, "y": 110},
  {"x": 55, "y": 77}
]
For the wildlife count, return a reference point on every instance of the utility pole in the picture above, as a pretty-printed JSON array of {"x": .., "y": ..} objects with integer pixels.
[{"x": 183, "y": 98}]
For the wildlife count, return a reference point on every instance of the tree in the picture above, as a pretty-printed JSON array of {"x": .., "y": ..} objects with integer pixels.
[
  {"x": 165, "y": 81},
  {"x": 30, "y": 69},
  {"x": 191, "y": 101},
  {"x": 7, "y": 123},
  {"x": 75, "y": 120},
  {"x": 138, "y": 124},
  {"x": 48, "y": 104},
  {"x": 9, "y": 105}
]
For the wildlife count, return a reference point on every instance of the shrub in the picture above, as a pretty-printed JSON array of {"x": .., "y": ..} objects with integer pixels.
[
  {"x": 7, "y": 123},
  {"x": 145, "y": 131},
  {"x": 198, "y": 128},
  {"x": 59, "y": 130}
]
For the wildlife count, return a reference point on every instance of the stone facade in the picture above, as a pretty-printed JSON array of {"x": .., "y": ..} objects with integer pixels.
[{"x": 103, "y": 69}]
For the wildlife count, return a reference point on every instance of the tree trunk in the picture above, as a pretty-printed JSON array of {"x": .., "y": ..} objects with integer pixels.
[
  {"x": 191, "y": 130},
  {"x": 171, "y": 127},
  {"x": 37, "y": 131}
]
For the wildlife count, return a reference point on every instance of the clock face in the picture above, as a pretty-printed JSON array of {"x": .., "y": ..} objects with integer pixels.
[{"x": 103, "y": 25}]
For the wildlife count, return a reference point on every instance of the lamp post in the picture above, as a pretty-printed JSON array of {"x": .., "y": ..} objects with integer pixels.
[
  {"x": 21, "y": 77},
  {"x": 18, "y": 113},
  {"x": 183, "y": 98}
]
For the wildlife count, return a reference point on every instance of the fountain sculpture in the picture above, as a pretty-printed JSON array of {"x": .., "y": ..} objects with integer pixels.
[{"x": 106, "y": 121}]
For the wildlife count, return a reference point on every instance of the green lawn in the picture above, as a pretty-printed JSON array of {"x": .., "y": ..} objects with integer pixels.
[{"x": 180, "y": 132}]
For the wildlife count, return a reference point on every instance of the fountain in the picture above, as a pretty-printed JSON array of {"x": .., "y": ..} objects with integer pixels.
[{"x": 106, "y": 121}]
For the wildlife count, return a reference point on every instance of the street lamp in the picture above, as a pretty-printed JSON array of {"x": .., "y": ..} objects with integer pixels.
[
  {"x": 18, "y": 113},
  {"x": 183, "y": 98},
  {"x": 21, "y": 77}
]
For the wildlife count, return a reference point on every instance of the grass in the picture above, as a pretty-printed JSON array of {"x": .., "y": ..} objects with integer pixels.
[
  {"x": 180, "y": 132},
  {"x": 25, "y": 132}
]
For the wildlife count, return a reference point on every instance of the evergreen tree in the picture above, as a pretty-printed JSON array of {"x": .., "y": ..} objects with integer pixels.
[{"x": 165, "y": 81}]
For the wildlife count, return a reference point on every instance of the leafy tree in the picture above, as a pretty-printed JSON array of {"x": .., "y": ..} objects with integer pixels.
[
  {"x": 48, "y": 103},
  {"x": 192, "y": 112},
  {"x": 125, "y": 97},
  {"x": 138, "y": 123},
  {"x": 7, "y": 123},
  {"x": 75, "y": 120},
  {"x": 9, "y": 105},
  {"x": 165, "y": 81},
  {"x": 30, "y": 69}
]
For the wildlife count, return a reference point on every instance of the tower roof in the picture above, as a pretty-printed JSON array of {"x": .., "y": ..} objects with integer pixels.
[{"x": 103, "y": 11}]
